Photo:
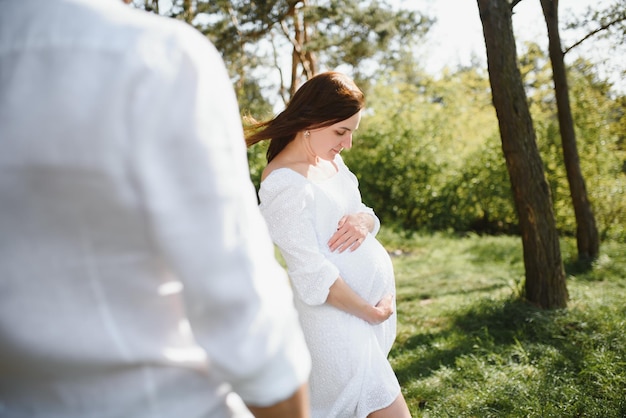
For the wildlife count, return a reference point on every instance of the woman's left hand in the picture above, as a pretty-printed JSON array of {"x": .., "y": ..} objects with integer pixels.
[{"x": 351, "y": 232}]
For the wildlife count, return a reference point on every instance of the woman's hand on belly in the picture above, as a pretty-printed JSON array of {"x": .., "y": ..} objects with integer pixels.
[
  {"x": 384, "y": 309},
  {"x": 351, "y": 231},
  {"x": 342, "y": 297}
]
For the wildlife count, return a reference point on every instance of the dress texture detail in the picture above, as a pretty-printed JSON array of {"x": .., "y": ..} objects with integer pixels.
[{"x": 351, "y": 375}]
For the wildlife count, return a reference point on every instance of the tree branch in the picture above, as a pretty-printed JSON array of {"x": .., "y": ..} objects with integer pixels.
[
  {"x": 515, "y": 3},
  {"x": 297, "y": 47},
  {"x": 595, "y": 32}
]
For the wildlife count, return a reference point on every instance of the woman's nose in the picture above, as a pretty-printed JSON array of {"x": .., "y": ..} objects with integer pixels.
[{"x": 347, "y": 144}]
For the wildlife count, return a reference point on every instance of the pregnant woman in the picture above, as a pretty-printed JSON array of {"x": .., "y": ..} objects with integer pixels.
[{"x": 342, "y": 276}]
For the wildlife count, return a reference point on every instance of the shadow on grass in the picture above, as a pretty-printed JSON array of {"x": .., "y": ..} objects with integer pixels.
[
  {"x": 488, "y": 326},
  {"x": 508, "y": 358},
  {"x": 420, "y": 294},
  {"x": 577, "y": 267},
  {"x": 491, "y": 354}
]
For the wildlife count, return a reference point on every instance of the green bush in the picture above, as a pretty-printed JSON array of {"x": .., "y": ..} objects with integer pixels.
[{"x": 396, "y": 175}]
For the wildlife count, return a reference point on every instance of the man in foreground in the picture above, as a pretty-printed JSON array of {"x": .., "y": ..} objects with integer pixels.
[{"x": 137, "y": 277}]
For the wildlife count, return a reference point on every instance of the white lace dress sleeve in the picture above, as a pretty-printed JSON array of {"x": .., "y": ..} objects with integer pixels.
[{"x": 287, "y": 207}]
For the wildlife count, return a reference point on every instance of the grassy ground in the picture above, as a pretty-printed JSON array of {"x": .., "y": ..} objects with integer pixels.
[{"x": 467, "y": 345}]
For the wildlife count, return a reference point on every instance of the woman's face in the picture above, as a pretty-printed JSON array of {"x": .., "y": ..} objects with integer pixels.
[{"x": 327, "y": 142}]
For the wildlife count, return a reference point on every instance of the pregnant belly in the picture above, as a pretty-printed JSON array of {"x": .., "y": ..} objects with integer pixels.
[{"x": 367, "y": 270}]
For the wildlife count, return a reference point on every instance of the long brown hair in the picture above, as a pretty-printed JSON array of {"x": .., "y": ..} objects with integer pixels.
[{"x": 324, "y": 100}]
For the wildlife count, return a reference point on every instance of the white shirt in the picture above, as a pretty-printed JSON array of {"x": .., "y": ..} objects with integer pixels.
[{"x": 137, "y": 276}]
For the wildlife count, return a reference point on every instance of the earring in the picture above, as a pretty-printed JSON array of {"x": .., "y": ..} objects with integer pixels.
[{"x": 307, "y": 133}]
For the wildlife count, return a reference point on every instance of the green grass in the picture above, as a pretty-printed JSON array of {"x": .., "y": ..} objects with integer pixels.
[{"x": 468, "y": 346}]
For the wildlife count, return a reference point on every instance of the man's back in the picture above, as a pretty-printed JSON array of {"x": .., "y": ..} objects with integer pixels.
[{"x": 116, "y": 222}]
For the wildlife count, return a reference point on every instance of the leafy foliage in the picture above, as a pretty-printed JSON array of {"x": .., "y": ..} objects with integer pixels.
[
  {"x": 429, "y": 155},
  {"x": 434, "y": 171},
  {"x": 256, "y": 36},
  {"x": 600, "y": 132}
]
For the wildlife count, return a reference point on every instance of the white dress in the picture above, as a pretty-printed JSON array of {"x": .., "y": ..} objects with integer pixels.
[{"x": 351, "y": 376}]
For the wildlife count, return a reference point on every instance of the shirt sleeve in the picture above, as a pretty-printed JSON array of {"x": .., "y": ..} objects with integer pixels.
[
  {"x": 287, "y": 205},
  {"x": 190, "y": 165}
]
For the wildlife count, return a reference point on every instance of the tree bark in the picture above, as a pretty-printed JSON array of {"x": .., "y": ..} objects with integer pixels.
[
  {"x": 152, "y": 6},
  {"x": 300, "y": 57},
  {"x": 545, "y": 277},
  {"x": 586, "y": 230},
  {"x": 188, "y": 12}
]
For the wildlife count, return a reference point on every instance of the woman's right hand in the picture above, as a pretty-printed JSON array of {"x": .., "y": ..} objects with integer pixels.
[
  {"x": 341, "y": 296},
  {"x": 382, "y": 310}
]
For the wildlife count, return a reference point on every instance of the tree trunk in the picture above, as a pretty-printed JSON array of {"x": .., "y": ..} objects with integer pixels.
[
  {"x": 300, "y": 57},
  {"x": 152, "y": 6},
  {"x": 188, "y": 12},
  {"x": 586, "y": 230},
  {"x": 545, "y": 277}
]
